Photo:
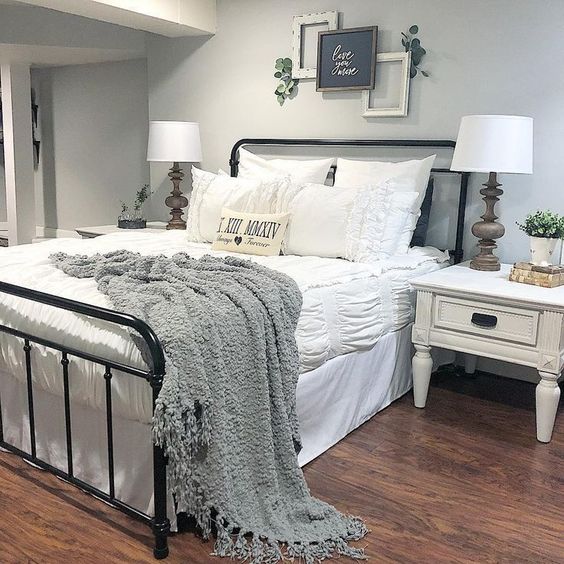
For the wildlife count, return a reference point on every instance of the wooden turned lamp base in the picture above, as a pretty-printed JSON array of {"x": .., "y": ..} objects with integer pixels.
[
  {"x": 176, "y": 200},
  {"x": 488, "y": 230}
]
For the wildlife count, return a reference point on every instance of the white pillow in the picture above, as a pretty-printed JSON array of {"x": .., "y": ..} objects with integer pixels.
[
  {"x": 253, "y": 166},
  {"x": 378, "y": 221},
  {"x": 319, "y": 218},
  {"x": 372, "y": 173},
  {"x": 250, "y": 233},
  {"x": 212, "y": 192}
]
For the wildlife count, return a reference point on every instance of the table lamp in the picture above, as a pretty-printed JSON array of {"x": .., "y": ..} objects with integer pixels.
[
  {"x": 175, "y": 142},
  {"x": 492, "y": 144}
]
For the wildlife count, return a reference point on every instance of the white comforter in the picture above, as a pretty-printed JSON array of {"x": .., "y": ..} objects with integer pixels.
[{"x": 347, "y": 306}]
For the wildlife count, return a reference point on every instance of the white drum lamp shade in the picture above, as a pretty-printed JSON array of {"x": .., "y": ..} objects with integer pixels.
[
  {"x": 174, "y": 142},
  {"x": 502, "y": 144}
]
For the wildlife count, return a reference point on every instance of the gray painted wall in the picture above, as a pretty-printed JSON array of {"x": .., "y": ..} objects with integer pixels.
[
  {"x": 485, "y": 57},
  {"x": 3, "y": 211},
  {"x": 94, "y": 122}
]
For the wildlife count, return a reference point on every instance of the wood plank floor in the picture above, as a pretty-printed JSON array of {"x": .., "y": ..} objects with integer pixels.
[{"x": 462, "y": 481}]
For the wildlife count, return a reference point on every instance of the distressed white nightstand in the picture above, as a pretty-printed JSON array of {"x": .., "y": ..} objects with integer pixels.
[
  {"x": 97, "y": 230},
  {"x": 484, "y": 314}
]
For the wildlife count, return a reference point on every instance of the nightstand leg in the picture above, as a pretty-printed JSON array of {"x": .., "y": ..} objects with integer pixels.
[
  {"x": 547, "y": 396},
  {"x": 470, "y": 361},
  {"x": 422, "y": 367}
]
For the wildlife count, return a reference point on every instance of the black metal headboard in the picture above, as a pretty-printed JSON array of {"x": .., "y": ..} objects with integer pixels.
[{"x": 457, "y": 252}]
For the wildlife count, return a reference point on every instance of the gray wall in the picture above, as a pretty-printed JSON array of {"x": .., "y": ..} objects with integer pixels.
[
  {"x": 485, "y": 56},
  {"x": 94, "y": 121},
  {"x": 3, "y": 211}
]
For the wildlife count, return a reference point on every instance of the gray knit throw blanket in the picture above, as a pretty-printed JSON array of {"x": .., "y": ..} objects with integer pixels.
[{"x": 226, "y": 415}]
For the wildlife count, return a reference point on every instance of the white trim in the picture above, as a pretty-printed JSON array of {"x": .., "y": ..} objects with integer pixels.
[
  {"x": 55, "y": 233},
  {"x": 332, "y": 21},
  {"x": 401, "y": 109}
]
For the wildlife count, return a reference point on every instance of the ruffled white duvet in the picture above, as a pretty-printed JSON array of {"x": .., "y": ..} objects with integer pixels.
[{"x": 347, "y": 306}]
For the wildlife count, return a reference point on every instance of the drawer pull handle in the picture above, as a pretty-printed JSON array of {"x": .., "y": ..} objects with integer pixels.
[{"x": 484, "y": 320}]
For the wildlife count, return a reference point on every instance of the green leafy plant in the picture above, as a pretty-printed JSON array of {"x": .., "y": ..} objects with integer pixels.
[
  {"x": 413, "y": 44},
  {"x": 141, "y": 197},
  {"x": 543, "y": 224},
  {"x": 287, "y": 85}
]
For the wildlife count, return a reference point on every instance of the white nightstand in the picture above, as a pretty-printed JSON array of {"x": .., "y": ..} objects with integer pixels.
[
  {"x": 483, "y": 314},
  {"x": 97, "y": 230}
]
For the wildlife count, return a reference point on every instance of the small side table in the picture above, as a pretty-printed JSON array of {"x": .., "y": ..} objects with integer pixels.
[
  {"x": 484, "y": 314},
  {"x": 97, "y": 230}
]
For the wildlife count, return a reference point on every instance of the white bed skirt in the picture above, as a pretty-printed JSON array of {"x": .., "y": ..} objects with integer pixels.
[{"x": 332, "y": 400}]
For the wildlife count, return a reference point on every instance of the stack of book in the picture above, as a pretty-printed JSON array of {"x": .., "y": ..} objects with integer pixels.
[{"x": 545, "y": 276}]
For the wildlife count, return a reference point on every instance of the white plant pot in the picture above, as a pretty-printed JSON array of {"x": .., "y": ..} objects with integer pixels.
[{"x": 542, "y": 249}]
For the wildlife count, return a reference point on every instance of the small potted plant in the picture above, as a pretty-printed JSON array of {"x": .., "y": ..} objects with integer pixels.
[
  {"x": 131, "y": 217},
  {"x": 544, "y": 228}
]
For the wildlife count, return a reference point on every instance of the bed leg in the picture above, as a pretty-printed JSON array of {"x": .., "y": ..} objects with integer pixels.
[{"x": 161, "y": 524}]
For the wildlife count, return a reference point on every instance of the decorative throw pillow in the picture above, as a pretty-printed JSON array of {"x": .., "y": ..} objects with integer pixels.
[
  {"x": 211, "y": 192},
  {"x": 250, "y": 233},
  {"x": 352, "y": 173},
  {"x": 378, "y": 220},
  {"x": 253, "y": 166},
  {"x": 420, "y": 234},
  {"x": 319, "y": 218}
]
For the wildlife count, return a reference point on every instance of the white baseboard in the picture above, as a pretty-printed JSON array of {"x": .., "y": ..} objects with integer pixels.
[
  {"x": 3, "y": 226},
  {"x": 55, "y": 233}
]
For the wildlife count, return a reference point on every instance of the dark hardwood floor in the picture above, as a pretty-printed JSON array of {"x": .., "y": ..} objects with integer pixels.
[{"x": 463, "y": 480}]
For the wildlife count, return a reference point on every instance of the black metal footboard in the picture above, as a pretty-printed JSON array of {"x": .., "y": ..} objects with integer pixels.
[{"x": 160, "y": 523}]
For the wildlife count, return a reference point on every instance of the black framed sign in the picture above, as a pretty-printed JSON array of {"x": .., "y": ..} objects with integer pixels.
[{"x": 346, "y": 59}]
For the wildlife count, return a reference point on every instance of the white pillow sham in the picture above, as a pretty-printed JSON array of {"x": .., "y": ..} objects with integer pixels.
[
  {"x": 351, "y": 173},
  {"x": 378, "y": 222},
  {"x": 212, "y": 192},
  {"x": 319, "y": 217},
  {"x": 253, "y": 166},
  {"x": 360, "y": 224}
]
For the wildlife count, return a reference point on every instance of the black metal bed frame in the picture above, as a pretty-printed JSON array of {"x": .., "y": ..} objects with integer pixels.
[
  {"x": 458, "y": 251},
  {"x": 154, "y": 375}
]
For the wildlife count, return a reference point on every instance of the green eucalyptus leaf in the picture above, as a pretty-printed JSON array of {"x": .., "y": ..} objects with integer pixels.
[
  {"x": 403, "y": 42},
  {"x": 296, "y": 81},
  {"x": 424, "y": 73},
  {"x": 413, "y": 72},
  {"x": 281, "y": 88},
  {"x": 416, "y": 57},
  {"x": 288, "y": 62},
  {"x": 281, "y": 100},
  {"x": 280, "y": 60},
  {"x": 415, "y": 42},
  {"x": 291, "y": 84},
  {"x": 279, "y": 66},
  {"x": 414, "y": 29},
  {"x": 278, "y": 74}
]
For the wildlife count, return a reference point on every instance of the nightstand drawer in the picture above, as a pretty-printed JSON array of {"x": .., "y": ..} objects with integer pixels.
[{"x": 499, "y": 322}]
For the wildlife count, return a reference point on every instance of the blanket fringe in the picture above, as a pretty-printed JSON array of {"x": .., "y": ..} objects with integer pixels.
[{"x": 259, "y": 550}]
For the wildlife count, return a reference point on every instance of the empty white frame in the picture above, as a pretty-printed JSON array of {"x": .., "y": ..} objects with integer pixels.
[
  {"x": 321, "y": 21},
  {"x": 399, "y": 110}
]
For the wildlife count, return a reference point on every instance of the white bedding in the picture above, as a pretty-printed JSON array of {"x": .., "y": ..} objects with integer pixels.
[{"x": 347, "y": 306}]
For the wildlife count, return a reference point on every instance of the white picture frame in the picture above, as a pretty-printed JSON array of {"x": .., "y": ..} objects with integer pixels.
[
  {"x": 319, "y": 18},
  {"x": 401, "y": 109}
]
